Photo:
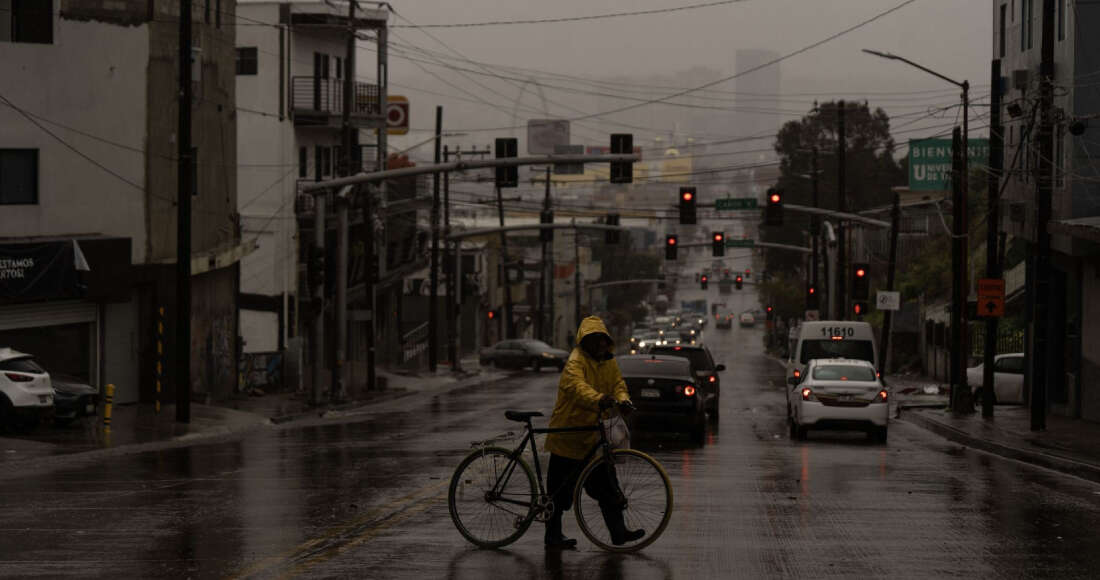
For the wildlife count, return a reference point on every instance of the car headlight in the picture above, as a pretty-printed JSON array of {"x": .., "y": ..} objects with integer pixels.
[
  {"x": 641, "y": 344},
  {"x": 692, "y": 332},
  {"x": 700, "y": 321}
]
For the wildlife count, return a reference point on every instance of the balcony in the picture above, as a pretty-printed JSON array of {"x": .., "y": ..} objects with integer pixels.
[{"x": 319, "y": 102}]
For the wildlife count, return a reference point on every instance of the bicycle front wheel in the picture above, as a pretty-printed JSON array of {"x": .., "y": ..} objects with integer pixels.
[
  {"x": 645, "y": 498},
  {"x": 492, "y": 497}
]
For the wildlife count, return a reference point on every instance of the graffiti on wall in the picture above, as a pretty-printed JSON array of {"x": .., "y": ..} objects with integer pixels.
[{"x": 260, "y": 371}]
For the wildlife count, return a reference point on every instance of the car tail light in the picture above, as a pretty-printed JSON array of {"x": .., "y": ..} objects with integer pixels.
[
  {"x": 807, "y": 394},
  {"x": 881, "y": 397},
  {"x": 713, "y": 379},
  {"x": 18, "y": 378},
  {"x": 689, "y": 391},
  {"x": 676, "y": 348}
]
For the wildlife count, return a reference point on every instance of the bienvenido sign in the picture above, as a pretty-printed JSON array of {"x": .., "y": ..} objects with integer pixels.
[{"x": 930, "y": 162}]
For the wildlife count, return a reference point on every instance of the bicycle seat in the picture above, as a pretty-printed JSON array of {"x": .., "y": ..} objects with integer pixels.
[{"x": 521, "y": 416}]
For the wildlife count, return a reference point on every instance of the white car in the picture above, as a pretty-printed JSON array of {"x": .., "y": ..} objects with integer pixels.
[
  {"x": 838, "y": 393},
  {"x": 26, "y": 393},
  {"x": 1008, "y": 378},
  {"x": 747, "y": 319}
]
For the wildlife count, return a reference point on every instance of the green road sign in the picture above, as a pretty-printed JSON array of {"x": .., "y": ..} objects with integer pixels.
[
  {"x": 930, "y": 162},
  {"x": 735, "y": 203},
  {"x": 740, "y": 243}
]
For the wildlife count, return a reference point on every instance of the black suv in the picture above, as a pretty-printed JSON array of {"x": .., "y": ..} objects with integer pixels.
[
  {"x": 702, "y": 367},
  {"x": 665, "y": 393}
]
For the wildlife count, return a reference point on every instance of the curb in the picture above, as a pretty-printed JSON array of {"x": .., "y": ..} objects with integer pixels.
[{"x": 1050, "y": 461}]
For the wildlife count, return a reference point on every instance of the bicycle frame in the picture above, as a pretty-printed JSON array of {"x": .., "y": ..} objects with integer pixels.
[{"x": 529, "y": 438}]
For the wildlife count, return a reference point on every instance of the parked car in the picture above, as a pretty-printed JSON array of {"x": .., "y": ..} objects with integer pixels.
[
  {"x": 703, "y": 368},
  {"x": 26, "y": 393},
  {"x": 838, "y": 393},
  {"x": 1008, "y": 378},
  {"x": 747, "y": 319},
  {"x": 523, "y": 352},
  {"x": 73, "y": 399},
  {"x": 665, "y": 394}
]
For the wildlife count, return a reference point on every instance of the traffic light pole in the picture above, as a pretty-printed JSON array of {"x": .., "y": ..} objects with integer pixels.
[
  {"x": 888, "y": 316},
  {"x": 184, "y": 187},
  {"x": 993, "y": 225},
  {"x": 960, "y": 395},
  {"x": 509, "y": 329},
  {"x": 1043, "y": 198},
  {"x": 813, "y": 226},
  {"x": 842, "y": 206},
  {"x": 433, "y": 304}
]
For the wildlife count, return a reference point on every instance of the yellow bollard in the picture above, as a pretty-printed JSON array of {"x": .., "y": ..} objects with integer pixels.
[{"x": 108, "y": 399}]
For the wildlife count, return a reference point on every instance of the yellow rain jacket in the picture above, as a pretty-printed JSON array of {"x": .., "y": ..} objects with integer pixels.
[{"x": 583, "y": 382}]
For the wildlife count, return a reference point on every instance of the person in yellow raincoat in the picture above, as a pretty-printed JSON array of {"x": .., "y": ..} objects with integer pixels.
[{"x": 590, "y": 382}]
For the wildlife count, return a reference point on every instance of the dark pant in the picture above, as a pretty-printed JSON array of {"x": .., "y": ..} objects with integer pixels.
[{"x": 561, "y": 480}]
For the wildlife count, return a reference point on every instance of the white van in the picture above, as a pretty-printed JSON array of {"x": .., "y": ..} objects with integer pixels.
[{"x": 831, "y": 339}]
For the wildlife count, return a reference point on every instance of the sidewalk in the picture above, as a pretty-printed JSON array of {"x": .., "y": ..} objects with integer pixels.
[
  {"x": 1067, "y": 445},
  {"x": 138, "y": 426}
]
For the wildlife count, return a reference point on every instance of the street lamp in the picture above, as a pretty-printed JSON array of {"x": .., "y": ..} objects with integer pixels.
[{"x": 960, "y": 394}]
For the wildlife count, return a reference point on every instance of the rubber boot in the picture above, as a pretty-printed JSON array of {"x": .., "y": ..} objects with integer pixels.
[
  {"x": 554, "y": 538},
  {"x": 616, "y": 525}
]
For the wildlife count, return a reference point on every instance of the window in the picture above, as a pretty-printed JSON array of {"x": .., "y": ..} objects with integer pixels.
[
  {"x": 1002, "y": 37},
  {"x": 303, "y": 162},
  {"x": 28, "y": 21},
  {"x": 18, "y": 176},
  {"x": 247, "y": 60},
  {"x": 1025, "y": 24},
  {"x": 339, "y": 68},
  {"x": 317, "y": 162},
  {"x": 844, "y": 373},
  {"x": 856, "y": 349},
  {"x": 1009, "y": 364},
  {"x": 326, "y": 161}
]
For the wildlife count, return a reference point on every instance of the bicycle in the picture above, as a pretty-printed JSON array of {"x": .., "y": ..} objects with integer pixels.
[{"x": 494, "y": 496}]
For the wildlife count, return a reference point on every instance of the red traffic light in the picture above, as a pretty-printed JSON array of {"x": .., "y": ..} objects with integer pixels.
[
  {"x": 748, "y": 271},
  {"x": 857, "y": 308},
  {"x": 718, "y": 237},
  {"x": 769, "y": 309},
  {"x": 860, "y": 272},
  {"x": 704, "y": 279},
  {"x": 671, "y": 241},
  {"x": 774, "y": 198},
  {"x": 687, "y": 195},
  {"x": 739, "y": 278},
  {"x": 492, "y": 314}
]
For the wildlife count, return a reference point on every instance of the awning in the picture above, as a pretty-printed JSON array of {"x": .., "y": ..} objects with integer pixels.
[{"x": 1086, "y": 228}]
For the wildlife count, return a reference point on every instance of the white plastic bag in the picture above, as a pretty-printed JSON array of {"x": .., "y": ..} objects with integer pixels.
[{"x": 617, "y": 432}]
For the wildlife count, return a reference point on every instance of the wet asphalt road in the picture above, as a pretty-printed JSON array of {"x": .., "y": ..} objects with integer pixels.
[{"x": 364, "y": 496}]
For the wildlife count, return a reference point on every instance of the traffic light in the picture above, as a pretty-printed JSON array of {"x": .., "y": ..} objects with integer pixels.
[
  {"x": 507, "y": 176},
  {"x": 773, "y": 211},
  {"x": 748, "y": 272},
  {"x": 812, "y": 301},
  {"x": 491, "y": 314},
  {"x": 859, "y": 308},
  {"x": 546, "y": 217},
  {"x": 612, "y": 236},
  {"x": 770, "y": 315},
  {"x": 739, "y": 281},
  {"x": 622, "y": 171},
  {"x": 703, "y": 282},
  {"x": 670, "y": 248},
  {"x": 718, "y": 244},
  {"x": 861, "y": 282},
  {"x": 687, "y": 205}
]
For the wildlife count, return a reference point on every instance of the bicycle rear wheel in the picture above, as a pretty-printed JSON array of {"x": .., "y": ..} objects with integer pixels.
[
  {"x": 488, "y": 517},
  {"x": 647, "y": 493}
]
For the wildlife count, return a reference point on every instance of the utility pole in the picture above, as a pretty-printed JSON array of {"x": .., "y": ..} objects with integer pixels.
[
  {"x": 888, "y": 316},
  {"x": 547, "y": 278},
  {"x": 317, "y": 263},
  {"x": 433, "y": 305},
  {"x": 992, "y": 226},
  {"x": 577, "y": 274},
  {"x": 372, "y": 269},
  {"x": 509, "y": 329},
  {"x": 185, "y": 186},
  {"x": 450, "y": 258},
  {"x": 960, "y": 395},
  {"x": 1040, "y": 343},
  {"x": 842, "y": 206},
  {"x": 814, "y": 227},
  {"x": 339, "y": 389}
]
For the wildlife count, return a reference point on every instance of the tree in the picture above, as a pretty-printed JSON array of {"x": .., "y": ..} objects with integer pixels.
[{"x": 870, "y": 164}]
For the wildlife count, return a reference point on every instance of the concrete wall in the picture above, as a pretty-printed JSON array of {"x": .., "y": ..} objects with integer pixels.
[{"x": 99, "y": 92}]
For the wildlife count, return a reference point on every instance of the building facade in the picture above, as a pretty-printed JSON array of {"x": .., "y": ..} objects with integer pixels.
[
  {"x": 1073, "y": 358},
  {"x": 88, "y": 183}
]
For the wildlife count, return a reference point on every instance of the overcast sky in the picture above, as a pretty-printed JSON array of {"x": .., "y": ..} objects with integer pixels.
[{"x": 953, "y": 37}]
